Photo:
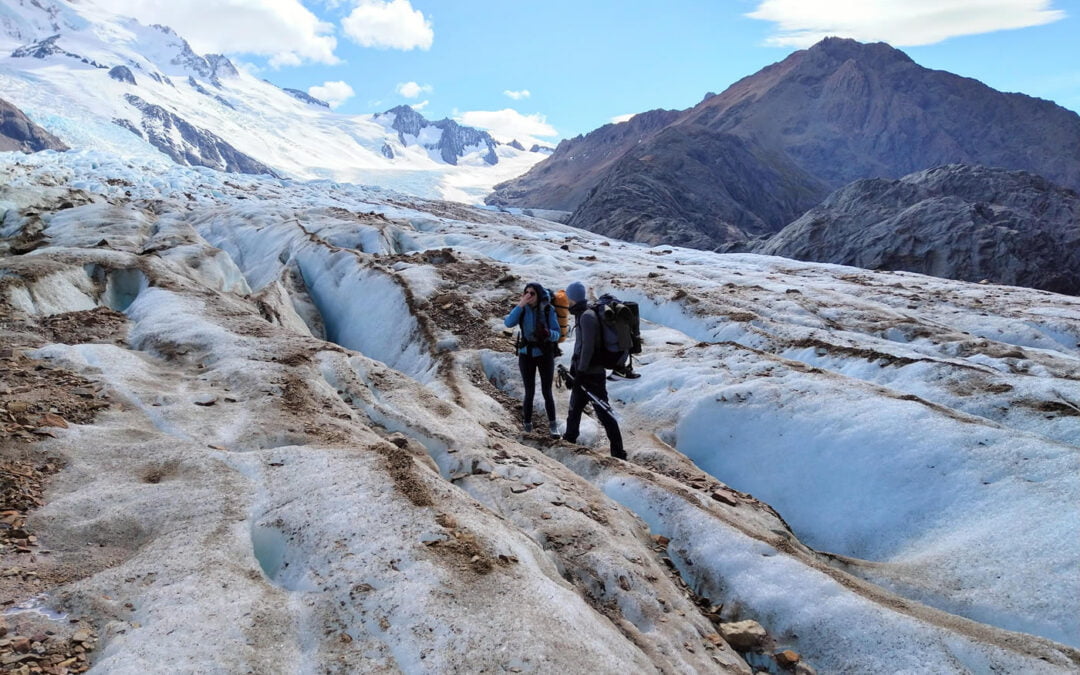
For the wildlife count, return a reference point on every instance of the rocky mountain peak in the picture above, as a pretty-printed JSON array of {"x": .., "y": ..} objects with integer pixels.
[
  {"x": 220, "y": 66},
  {"x": 212, "y": 67},
  {"x": 407, "y": 120},
  {"x": 838, "y": 50},
  {"x": 745, "y": 163},
  {"x": 454, "y": 139}
]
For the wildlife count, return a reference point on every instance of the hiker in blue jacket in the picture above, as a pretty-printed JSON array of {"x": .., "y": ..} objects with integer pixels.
[
  {"x": 536, "y": 349},
  {"x": 588, "y": 374}
]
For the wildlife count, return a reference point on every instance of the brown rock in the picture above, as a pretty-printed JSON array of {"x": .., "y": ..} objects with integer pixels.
[
  {"x": 787, "y": 658},
  {"x": 743, "y": 635},
  {"x": 724, "y": 498},
  {"x": 53, "y": 420}
]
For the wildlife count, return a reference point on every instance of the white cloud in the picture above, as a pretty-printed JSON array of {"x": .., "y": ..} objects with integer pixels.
[
  {"x": 508, "y": 124},
  {"x": 419, "y": 106},
  {"x": 334, "y": 93},
  {"x": 283, "y": 30},
  {"x": 801, "y": 23},
  {"x": 622, "y": 118},
  {"x": 518, "y": 95},
  {"x": 388, "y": 25},
  {"x": 412, "y": 89}
]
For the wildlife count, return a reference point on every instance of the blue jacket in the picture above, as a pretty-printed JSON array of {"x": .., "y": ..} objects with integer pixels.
[{"x": 526, "y": 318}]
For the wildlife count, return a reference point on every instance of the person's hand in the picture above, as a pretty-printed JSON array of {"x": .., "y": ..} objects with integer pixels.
[{"x": 527, "y": 296}]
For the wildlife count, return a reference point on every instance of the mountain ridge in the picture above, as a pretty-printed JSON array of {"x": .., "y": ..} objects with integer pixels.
[
  {"x": 965, "y": 222},
  {"x": 72, "y": 68},
  {"x": 838, "y": 111}
]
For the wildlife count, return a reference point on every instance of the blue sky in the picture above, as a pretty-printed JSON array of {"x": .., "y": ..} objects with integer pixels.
[{"x": 549, "y": 70}]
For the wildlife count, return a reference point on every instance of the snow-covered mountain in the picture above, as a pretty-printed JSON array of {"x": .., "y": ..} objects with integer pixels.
[
  {"x": 99, "y": 81},
  {"x": 283, "y": 424}
]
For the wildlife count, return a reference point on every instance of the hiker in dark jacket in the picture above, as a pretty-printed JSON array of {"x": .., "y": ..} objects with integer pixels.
[
  {"x": 539, "y": 335},
  {"x": 588, "y": 375}
]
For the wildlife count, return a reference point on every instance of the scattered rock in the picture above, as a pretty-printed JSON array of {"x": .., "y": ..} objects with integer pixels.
[
  {"x": 724, "y": 498},
  {"x": 743, "y": 636},
  {"x": 801, "y": 668}
]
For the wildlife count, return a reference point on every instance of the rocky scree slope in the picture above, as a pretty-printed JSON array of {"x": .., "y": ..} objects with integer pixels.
[{"x": 961, "y": 222}]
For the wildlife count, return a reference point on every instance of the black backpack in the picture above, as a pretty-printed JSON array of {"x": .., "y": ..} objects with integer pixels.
[{"x": 620, "y": 331}]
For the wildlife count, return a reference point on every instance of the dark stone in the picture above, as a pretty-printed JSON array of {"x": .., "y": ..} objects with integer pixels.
[
  {"x": 122, "y": 74},
  {"x": 194, "y": 84},
  {"x": 306, "y": 98},
  {"x": 39, "y": 49},
  {"x": 121, "y": 122},
  {"x": 49, "y": 47}
]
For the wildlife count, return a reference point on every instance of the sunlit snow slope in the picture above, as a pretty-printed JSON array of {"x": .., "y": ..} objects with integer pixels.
[{"x": 58, "y": 61}]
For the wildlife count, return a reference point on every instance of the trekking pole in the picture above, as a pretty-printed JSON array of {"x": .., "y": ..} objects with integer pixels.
[{"x": 597, "y": 401}]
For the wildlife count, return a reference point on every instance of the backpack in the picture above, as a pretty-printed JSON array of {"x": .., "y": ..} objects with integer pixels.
[
  {"x": 562, "y": 313},
  {"x": 620, "y": 331}
]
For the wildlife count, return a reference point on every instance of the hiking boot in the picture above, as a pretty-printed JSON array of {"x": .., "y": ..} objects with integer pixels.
[
  {"x": 553, "y": 426},
  {"x": 623, "y": 373},
  {"x": 619, "y": 455},
  {"x": 528, "y": 427}
]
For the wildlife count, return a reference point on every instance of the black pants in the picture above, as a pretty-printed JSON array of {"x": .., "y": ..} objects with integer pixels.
[
  {"x": 529, "y": 365},
  {"x": 597, "y": 385}
]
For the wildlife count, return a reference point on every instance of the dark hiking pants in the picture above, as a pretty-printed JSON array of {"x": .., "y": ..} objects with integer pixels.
[
  {"x": 529, "y": 365},
  {"x": 597, "y": 385}
]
